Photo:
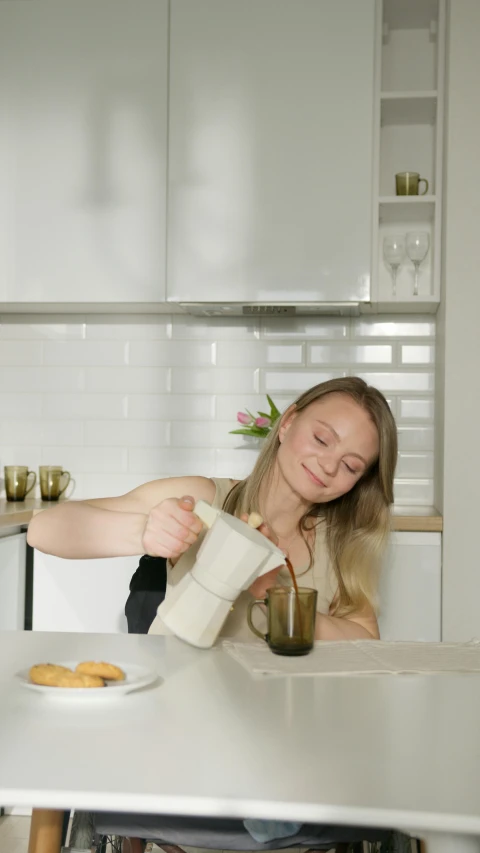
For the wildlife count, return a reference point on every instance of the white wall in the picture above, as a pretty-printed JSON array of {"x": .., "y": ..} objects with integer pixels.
[
  {"x": 459, "y": 326},
  {"x": 120, "y": 401}
]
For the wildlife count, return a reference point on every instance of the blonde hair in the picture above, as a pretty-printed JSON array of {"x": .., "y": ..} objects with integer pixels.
[{"x": 358, "y": 522}]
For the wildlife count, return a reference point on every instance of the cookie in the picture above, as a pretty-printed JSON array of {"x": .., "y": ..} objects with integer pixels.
[
  {"x": 77, "y": 679},
  {"x": 108, "y": 671},
  {"x": 47, "y": 673},
  {"x": 52, "y": 675}
]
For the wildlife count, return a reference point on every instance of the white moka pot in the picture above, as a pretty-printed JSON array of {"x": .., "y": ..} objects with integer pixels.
[{"x": 229, "y": 559}]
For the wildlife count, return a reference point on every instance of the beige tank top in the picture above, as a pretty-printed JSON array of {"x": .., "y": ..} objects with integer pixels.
[{"x": 320, "y": 576}]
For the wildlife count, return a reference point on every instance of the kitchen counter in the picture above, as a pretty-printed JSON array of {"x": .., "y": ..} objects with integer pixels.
[
  {"x": 416, "y": 519},
  {"x": 17, "y": 514}
]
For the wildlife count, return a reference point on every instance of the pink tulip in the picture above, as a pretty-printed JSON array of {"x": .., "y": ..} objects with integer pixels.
[
  {"x": 262, "y": 422},
  {"x": 242, "y": 418}
]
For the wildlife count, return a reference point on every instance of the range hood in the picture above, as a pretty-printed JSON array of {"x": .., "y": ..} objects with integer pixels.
[{"x": 279, "y": 309}]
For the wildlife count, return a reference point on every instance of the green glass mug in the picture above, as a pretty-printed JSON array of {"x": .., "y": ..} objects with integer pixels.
[
  {"x": 16, "y": 482},
  {"x": 290, "y": 619},
  {"x": 53, "y": 482}
]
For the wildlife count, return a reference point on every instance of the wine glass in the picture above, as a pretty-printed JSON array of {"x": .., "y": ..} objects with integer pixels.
[
  {"x": 394, "y": 253},
  {"x": 418, "y": 244}
]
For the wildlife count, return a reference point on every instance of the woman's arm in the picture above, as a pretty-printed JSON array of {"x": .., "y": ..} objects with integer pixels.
[
  {"x": 146, "y": 520},
  {"x": 355, "y": 627}
]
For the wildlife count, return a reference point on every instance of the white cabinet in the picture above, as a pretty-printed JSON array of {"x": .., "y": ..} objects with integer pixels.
[
  {"x": 270, "y": 150},
  {"x": 81, "y": 595},
  {"x": 83, "y": 136},
  {"x": 410, "y": 588},
  {"x": 12, "y": 582}
]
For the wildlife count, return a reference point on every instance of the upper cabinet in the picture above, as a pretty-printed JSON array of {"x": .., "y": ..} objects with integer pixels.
[
  {"x": 409, "y": 96},
  {"x": 270, "y": 150},
  {"x": 83, "y": 137}
]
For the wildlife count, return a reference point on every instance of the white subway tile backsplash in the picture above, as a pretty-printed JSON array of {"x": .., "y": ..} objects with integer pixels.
[
  {"x": 414, "y": 492},
  {"x": 45, "y": 327},
  {"x": 84, "y": 460},
  {"x": 171, "y": 407},
  {"x": 20, "y": 353},
  {"x": 116, "y": 327},
  {"x": 417, "y": 354},
  {"x": 273, "y": 381},
  {"x": 85, "y": 352},
  {"x": 171, "y": 353},
  {"x": 83, "y": 406},
  {"x": 170, "y": 462},
  {"x": 219, "y": 380},
  {"x": 94, "y": 485},
  {"x": 203, "y": 434},
  {"x": 119, "y": 400},
  {"x": 13, "y": 454},
  {"x": 215, "y": 328},
  {"x": 257, "y": 354},
  {"x": 415, "y": 438},
  {"x": 33, "y": 380},
  {"x": 349, "y": 354},
  {"x": 127, "y": 379},
  {"x": 20, "y": 406},
  {"x": 415, "y": 465},
  {"x": 407, "y": 381},
  {"x": 304, "y": 328},
  {"x": 419, "y": 409},
  {"x": 40, "y": 432},
  {"x": 236, "y": 463},
  {"x": 127, "y": 433},
  {"x": 394, "y": 327}
]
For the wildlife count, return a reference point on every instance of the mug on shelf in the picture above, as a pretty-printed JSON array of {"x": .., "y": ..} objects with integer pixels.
[{"x": 407, "y": 183}]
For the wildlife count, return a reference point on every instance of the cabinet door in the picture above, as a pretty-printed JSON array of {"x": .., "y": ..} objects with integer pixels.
[
  {"x": 410, "y": 588},
  {"x": 12, "y": 582},
  {"x": 270, "y": 151},
  {"x": 81, "y": 595},
  {"x": 83, "y": 135}
]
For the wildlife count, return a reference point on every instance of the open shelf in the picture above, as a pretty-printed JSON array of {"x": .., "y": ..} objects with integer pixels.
[
  {"x": 409, "y": 14},
  {"x": 406, "y": 208},
  {"x": 408, "y": 107}
]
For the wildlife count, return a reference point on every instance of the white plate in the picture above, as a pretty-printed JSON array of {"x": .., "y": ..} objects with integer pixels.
[{"x": 136, "y": 676}]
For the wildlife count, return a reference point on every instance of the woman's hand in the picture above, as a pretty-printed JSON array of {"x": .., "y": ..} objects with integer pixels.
[{"x": 171, "y": 528}]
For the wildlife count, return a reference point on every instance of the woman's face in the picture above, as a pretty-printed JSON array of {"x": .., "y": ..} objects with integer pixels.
[{"x": 326, "y": 448}]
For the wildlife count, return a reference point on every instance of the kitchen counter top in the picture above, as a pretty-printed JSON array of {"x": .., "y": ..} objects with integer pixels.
[
  {"x": 16, "y": 514},
  {"x": 416, "y": 519}
]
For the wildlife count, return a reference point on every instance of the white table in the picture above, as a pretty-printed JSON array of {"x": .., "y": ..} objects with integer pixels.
[{"x": 400, "y": 752}]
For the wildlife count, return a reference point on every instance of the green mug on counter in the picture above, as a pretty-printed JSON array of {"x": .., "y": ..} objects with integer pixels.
[
  {"x": 53, "y": 482},
  {"x": 16, "y": 482}
]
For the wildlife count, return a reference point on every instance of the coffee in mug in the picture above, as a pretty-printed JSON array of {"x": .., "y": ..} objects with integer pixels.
[
  {"x": 16, "y": 482},
  {"x": 53, "y": 482},
  {"x": 290, "y": 619},
  {"x": 407, "y": 183}
]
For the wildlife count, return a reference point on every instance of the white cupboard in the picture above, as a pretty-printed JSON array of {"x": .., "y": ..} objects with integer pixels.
[
  {"x": 83, "y": 135},
  {"x": 411, "y": 588},
  {"x": 270, "y": 150},
  {"x": 81, "y": 595},
  {"x": 12, "y": 582}
]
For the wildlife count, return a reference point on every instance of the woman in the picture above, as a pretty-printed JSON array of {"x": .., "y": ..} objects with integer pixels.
[{"x": 323, "y": 484}]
